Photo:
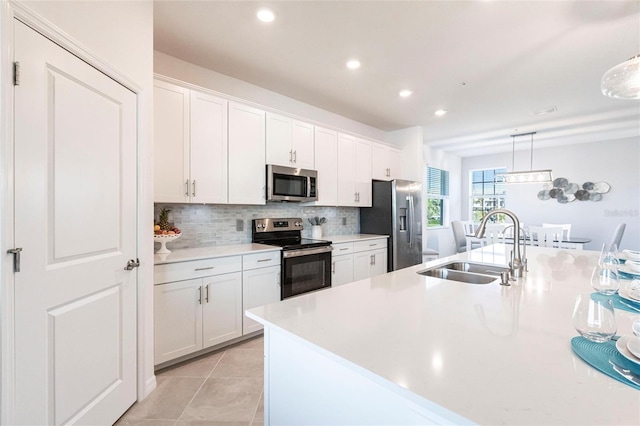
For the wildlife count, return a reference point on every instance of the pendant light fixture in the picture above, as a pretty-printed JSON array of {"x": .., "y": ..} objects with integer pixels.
[
  {"x": 530, "y": 176},
  {"x": 623, "y": 80}
]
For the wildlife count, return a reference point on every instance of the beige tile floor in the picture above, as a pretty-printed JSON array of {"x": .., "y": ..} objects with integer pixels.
[{"x": 224, "y": 388}]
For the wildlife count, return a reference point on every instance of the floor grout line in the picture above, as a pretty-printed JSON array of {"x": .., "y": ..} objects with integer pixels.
[
  {"x": 196, "y": 392},
  {"x": 255, "y": 411}
]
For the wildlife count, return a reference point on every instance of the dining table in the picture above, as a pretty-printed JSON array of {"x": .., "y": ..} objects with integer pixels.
[{"x": 572, "y": 243}]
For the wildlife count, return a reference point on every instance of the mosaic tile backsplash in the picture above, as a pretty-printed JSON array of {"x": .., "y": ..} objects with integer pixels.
[{"x": 210, "y": 225}]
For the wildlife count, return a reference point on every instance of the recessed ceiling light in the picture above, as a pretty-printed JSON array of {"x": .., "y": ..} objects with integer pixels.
[
  {"x": 404, "y": 93},
  {"x": 266, "y": 15},
  {"x": 440, "y": 112},
  {"x": 353, "y": 64}
]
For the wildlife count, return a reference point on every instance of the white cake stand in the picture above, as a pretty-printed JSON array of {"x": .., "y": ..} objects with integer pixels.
[{"x": 163, "y": 240}]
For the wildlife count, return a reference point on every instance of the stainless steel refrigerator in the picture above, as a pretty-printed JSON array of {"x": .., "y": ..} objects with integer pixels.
[{"x": 396, "y": 212}]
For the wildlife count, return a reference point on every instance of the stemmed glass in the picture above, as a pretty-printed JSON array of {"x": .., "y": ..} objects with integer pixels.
[
  {"x": 609, "y": 256},
  {"x": 594, "y": 319},
  {"x": 605, "y": 280}
]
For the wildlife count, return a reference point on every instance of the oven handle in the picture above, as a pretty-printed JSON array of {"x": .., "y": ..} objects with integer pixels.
[{"x": 306, "y": 252}]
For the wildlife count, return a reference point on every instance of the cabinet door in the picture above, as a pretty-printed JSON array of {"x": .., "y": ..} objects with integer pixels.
[
  {"x": 342, "y": 270},
  {"x": 326, "y": 163},
  {"x": 246, "y": 154},
  {"x": 379, "y": 162},
  {"x": 178, "y": 319},
  {"x": 346, "y": 170},
  {"x": 302, "y": 144},
  {"x": 379, "y": 265},
  {"x": 361, "y": 265},
  {"x": 259, "y": 287},
  {"x": 221, "y": 308},
  {"x": 395, "y": 163},
  {"x": 208, "y": 149},
  {"x": 279, "y": 140},
  {"x": 363, "y": 172},
  {"x": 170, "y": 143}
]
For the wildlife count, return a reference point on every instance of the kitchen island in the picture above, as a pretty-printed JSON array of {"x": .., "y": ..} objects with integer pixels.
[{"x": 403, "y": 348}]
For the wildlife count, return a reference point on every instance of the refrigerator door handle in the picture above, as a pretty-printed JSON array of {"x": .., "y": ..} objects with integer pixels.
[{"x": 410, "y": 220}]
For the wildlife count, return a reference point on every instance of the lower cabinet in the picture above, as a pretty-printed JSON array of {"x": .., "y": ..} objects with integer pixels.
[
  {"x": 260, "y": 285},
  {"x": 358, "y": 260},
  {"x": 201, "y": 303},
  {"x": 195, "y": 314}
]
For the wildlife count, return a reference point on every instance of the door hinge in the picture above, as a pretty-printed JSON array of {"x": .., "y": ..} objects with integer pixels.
[
  {"x": 16, "y": 258},
  {"x": 16, "y": 73}
]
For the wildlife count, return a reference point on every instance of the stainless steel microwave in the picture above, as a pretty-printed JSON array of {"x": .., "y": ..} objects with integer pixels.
[{"x": 291, "y": 184}]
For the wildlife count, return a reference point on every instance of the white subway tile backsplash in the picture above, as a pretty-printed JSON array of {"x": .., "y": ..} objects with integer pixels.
[{"x": 210, "y": 225}]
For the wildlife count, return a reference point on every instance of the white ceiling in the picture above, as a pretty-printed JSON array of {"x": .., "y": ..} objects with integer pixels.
[{"x": 514, "y": 57}]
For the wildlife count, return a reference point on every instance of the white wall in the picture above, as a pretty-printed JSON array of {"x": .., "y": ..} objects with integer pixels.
[
  {"x": 120, "y": 35},
  {"x": 616, "y": 162},
  {"x": 184, "y": 71},
  {"x": 441, "y": 239}
]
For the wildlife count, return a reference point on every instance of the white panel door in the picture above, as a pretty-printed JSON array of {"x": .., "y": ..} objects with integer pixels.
[
  {"x": 363, "y": 172},
  {"x": 362, "y": 265},
  {"x": 379, "y": 162},
  {"x": 208, "y": 149},
  {"x": 302, "y": 144},
  {"x": 326, "y": 163},
  {"x": 177, "y": 319},
  {"x": 247, "y": 167},
  {"x": 75, "y": 220},
  {"x": 346, "y": 171},
  {"x": 279, "y": 150},
  {"x": 342, "y": 270},
  {"x": 170, "y": 143},
  {"x": 379, "y": 265},
  {"x": 259, "y": 287},
  {"x": 221, "y": 308}
]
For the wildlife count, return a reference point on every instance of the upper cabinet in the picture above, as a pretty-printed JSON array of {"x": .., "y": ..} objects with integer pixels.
[
  {"x": 190, "y": 146},
  {"x": 385, "y": 162},
  {"x": 354, "y": 171},
  {"x": 170, "y": 143},
  {"x": 289, "y": 142},
  {"x": 326, "y": 163},
  {"x": 247, "y": 172}
]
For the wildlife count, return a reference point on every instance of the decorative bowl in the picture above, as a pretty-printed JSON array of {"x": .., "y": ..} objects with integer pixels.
[{"x": 163, "y": 239}]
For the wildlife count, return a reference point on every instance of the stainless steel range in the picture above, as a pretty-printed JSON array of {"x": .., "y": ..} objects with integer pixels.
[{"x": 306, "y": 263}]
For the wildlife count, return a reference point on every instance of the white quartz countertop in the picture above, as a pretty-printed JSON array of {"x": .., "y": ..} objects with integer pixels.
[
  {"x": 352, "y": 238},
  {"x": 187, "y": 254},
  {"x": 490, "y": 353}
]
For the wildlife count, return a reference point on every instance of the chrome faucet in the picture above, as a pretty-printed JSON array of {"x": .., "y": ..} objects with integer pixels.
[{"x": 516, "y": 265}]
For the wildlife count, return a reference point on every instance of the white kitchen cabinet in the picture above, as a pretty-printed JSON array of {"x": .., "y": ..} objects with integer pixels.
[
  {"x": 385, "y": 162},
  {"x": 326, "y": 164},
  {"x": 198, "y": 304},
  {"x": 247, "y": 171},
  {"x": 354, "y": 171},
  {"x": 170, "y": 142},
  {"x": 370, "y": 258},
  {"x": 190, "y": 145},
  {"x": 260, "y": 284},
  {"x": 289, "y": 142},
  {"x": 341, "y": 264}
]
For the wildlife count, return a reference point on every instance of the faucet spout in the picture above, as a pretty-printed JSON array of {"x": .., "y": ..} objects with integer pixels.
[{"x": 516, "y": 265}]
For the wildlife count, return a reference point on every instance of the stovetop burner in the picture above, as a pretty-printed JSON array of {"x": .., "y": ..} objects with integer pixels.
[{"x": 285, "y": 233}]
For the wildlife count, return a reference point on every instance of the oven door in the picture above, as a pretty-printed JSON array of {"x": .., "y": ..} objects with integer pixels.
[{"x": 305, "y": 270}]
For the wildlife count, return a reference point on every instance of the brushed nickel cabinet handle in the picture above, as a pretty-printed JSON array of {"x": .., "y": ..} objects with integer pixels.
[
  {"x": 204, "y": 269},
  {"x": 194, "y": 188},
  {"x": 186, "y": 188}
]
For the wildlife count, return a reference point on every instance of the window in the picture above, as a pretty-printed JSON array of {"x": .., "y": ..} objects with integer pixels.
[
  {"x": 486, "y": 194},
  {"x": 437, "y": 197}
]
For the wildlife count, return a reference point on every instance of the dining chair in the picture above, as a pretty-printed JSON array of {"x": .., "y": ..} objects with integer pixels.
[
  {"x": 494, "y": 233},
  {"x": 617, "y": 234},
  {"x": 546, "y": 236},
  {"x": 469, "y": 227},
  {"x": 459, "y": 236},
  {"x": 566, "y": 228}
]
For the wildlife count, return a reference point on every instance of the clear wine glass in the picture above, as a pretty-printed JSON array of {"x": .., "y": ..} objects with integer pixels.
[
  {"x": 594, "y": 319},
  {"x": 609, "y": 255},
  {"x": 605, "y": 279}
]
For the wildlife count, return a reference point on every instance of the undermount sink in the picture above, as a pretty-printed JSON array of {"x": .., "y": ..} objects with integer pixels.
[{"x": 466, "y": 272}]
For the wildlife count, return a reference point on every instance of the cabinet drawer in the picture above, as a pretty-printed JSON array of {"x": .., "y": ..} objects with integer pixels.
[
  {"x": 369, "y": 245},
  {"x": 260, "y": 260},
  {"x": 195, "y": 269},
  {"x": 341, "y": 248}
]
